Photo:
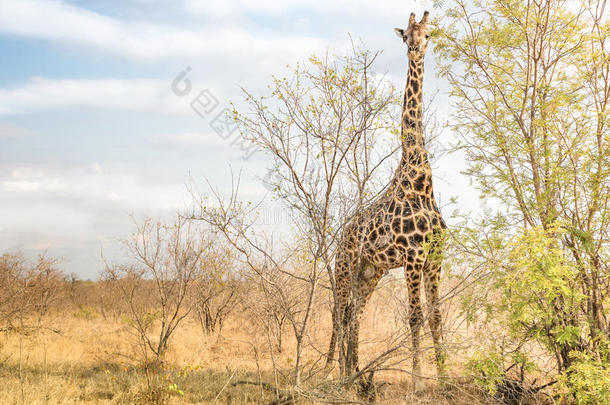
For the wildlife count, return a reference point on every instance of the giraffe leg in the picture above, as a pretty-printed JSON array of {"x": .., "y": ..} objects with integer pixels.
[
  {"x": 338, "y": 310},
  {"x": 413, "y": 276},
  {"x": 339, "y": 317},
  {"x": 432, "y": 271},
  {"x": 337, "y": 338},
  {"x": 361, "y": 295},
  {"x": 330, "y": 356},
  {"x": 352, "y": 330},
  {"x": 351, "y": 359}
]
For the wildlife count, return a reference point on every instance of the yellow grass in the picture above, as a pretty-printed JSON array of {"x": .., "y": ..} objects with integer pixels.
[{"x": 91, "y": 361}]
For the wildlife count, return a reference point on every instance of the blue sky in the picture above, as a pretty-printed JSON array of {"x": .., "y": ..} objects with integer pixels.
[{"x": 90, "y": 130}]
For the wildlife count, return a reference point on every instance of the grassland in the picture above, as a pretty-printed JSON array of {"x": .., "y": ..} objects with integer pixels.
[{"x": 78, "y": 357}]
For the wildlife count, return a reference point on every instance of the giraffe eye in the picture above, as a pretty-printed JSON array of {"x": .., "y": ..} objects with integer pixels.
[{"x": 427, "y": 36}]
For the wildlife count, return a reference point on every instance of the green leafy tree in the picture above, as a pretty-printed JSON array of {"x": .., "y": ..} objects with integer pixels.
[{"x": 530, "y": 84}]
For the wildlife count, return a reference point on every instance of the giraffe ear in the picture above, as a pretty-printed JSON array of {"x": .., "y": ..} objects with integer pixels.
[
  {"x": 411, "y": 19},
  {"x": 399, "y": 32},
  {"x": 424, "y": 19}
]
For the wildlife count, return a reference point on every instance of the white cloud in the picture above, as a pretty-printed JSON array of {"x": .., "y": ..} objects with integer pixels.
[
  {"x": 132, "y": 185},
  {"x": 12, "y": 131},
  {"x": 70, "y": 210},
  {"x": 223, "y": 8},
  {"x": 61, "y": 22},
  {"x": 360, "y": 9},
  {"x": 54, "y": 185},
  {"x": 188, "y": 140},
  {"x": 67, "y": 209},
  {"x": 107, "y": 94},
  {"x": 97, "y": 168}
]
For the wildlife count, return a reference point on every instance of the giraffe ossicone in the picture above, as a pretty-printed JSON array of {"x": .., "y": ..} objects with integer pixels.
[{"x": 403, "y": 228}]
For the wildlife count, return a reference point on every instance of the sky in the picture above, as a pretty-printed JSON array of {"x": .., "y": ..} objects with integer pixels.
[{"x": 97, "y": 125}]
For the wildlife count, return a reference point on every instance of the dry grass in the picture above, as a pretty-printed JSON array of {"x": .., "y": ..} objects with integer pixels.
[{"x": 91, "y": 362}]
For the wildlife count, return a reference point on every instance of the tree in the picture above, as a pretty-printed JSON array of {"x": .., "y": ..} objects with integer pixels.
[
  {"x": 216, "y": 287},
  {"x": 155, "y": 285},
  {"x": 530, "y": 83},
  {"x": 327, "y": 130},
  {"x": 29, "y": 290}
]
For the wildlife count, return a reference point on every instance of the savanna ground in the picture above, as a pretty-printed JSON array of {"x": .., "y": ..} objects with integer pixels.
[{"x": 89, "y": 354}]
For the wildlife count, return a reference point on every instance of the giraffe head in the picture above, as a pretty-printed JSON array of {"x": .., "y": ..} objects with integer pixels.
[{"x": 415, "y": 36}]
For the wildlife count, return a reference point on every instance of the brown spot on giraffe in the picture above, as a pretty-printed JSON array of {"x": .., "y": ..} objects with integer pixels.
[{"x": 397, "y": 226}]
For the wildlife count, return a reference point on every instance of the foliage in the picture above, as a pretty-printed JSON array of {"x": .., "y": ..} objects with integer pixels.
[
  {"x": 530, "y": 84},
  {"x": 587, "y": 380},
  {"x": 540, "y": 291},
  {"x": 487, "y": 367}
]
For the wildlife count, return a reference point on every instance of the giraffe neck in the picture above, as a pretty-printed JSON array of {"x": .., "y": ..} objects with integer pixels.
[
  {"x": 414, "y": 173},
  {"x": 411, "y": 129}
]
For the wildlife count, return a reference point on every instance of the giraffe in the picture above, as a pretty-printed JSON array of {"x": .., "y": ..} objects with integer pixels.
[{"x": 400, "y": 229}]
